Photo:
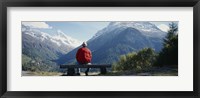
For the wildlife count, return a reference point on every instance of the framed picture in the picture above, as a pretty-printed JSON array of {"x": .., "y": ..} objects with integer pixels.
[{"x": 74, "y": 48}]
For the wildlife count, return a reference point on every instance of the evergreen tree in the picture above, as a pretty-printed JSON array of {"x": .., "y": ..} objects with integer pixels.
[{"x": 169, "y": 54}]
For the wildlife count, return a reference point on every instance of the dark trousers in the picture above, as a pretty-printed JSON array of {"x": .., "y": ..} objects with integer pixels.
[{"x": 87, "y": 70}]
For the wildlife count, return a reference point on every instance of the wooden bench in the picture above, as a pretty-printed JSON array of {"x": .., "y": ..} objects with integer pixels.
[{"x": 71, "y": 68}]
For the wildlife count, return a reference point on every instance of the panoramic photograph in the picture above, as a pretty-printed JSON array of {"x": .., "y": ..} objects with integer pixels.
[{"x": 99, "y": 48}]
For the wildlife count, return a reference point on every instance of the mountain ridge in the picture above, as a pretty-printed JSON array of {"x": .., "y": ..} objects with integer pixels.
[{"x": 43, "y": 48}]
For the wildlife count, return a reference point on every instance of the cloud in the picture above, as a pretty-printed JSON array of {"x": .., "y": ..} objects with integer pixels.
[
  {"x": 163, "y": 27},
  {"x": 40, "y": 25}
]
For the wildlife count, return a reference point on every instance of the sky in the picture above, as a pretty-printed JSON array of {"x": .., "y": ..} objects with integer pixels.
[{"x": 81, "y": 31}]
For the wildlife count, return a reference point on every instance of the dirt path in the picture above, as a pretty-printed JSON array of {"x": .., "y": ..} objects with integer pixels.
[
  {"x": 164, "y": 71},
  {"x": 27, "y": 73}
]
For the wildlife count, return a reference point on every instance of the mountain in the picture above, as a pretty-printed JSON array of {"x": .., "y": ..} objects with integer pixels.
[
  {"x": 145, "y": 28},
  {"x": 120, "y": 38},
  {"x": 45, "y": 48}
]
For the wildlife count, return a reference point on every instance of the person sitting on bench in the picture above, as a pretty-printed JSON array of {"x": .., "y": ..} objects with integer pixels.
[{"x": 83, "y": 56}]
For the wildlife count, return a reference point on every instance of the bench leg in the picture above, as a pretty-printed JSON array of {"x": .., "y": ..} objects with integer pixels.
[
  {"x": 70, "y": 71},
  {"x": 103, "y": 70}
]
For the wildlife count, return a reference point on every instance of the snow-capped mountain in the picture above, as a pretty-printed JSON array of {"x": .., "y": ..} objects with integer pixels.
[
  {"x": 141, "y": 26},
  {"x": 59, "y": 38},
  {"x": 40, "y": 45},
  {"x": 146, "y": 28},
  {"x": 120, "y": 38}
]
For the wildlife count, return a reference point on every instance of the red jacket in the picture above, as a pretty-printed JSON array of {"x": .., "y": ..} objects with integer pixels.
[{"x": 83, "y": 55}]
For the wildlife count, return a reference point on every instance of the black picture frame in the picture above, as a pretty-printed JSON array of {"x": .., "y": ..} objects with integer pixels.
[{"x": 98, "y": 3}]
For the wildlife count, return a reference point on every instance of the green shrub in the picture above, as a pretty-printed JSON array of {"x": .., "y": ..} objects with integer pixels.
[{"x": 141, "y": 60}]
